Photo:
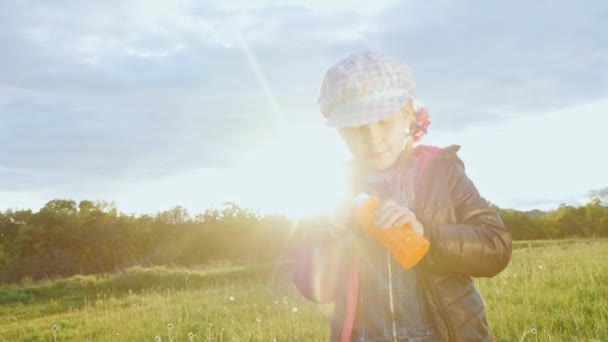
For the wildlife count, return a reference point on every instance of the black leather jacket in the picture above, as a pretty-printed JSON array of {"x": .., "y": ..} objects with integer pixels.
[{"x": 468, "y": 239}]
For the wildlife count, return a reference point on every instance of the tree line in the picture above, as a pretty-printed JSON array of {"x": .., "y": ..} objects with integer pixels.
[{"x": 65, "y": 238}]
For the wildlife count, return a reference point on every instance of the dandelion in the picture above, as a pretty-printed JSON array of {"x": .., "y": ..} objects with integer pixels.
[
  {"x": 276, "y": 302},
  {"x": 117, "y": 334},
  {"x": 540, "y": 267},
  {"x": 231, "y": 298},
  {"x": 191, "y": 336},
  {"x": 259, "y": 320},
  {"x": 158, "y": 339},
  {"x": 294, "y": 309},
  {"x": 209, "y": 329},
  {"x": 55, "y": 329},
  {"x": 531, "y": 331},
  {"x": 170, "y": 327}
]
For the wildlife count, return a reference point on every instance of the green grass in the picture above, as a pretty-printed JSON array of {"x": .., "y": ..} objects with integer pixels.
[{"x": 557, "y": 288}]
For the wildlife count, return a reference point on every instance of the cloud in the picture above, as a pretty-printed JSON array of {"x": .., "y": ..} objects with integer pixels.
[
  {"x": 553, "y": 155},
  {"x": 100, "y": 93},
  {"x": 502, "y": 59},
  {"x": 141, "y": 90},
  {"x": 85, "y": 105},
  {"x": 544, "y": 203}
]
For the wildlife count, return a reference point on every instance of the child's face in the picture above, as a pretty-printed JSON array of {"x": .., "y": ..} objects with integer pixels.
[{"x": 378, "y": 144}]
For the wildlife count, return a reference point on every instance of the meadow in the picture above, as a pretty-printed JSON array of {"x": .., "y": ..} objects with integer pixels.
[{"x": 551, "y": 291}]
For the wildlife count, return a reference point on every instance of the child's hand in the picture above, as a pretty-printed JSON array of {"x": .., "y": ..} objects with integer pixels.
[
  {"x": 391, "y": 214},
  {"x": 342, "y": 217}
]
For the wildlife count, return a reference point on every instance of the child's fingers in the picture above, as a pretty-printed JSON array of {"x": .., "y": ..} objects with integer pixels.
[
  {"x": 386, "y": 209},
  {"x": 418, "y": 227},
  {"x": 405, "y": 219},
  {"x": 402, "y": 219},
  {"x": 386, "y": 204},
  {"x": 394, "y": 217}
]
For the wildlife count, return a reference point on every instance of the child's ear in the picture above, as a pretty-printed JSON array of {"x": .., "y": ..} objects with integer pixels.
[
  {"x": 409, "y": 108},
  {"x": 408, "y": 112}
]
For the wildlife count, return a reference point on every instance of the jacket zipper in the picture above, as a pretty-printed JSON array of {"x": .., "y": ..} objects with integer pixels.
[{"x": 390, "y": 295}]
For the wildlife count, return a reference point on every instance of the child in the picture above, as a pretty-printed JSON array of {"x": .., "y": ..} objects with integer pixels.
[{"x": 368, "y": 97}]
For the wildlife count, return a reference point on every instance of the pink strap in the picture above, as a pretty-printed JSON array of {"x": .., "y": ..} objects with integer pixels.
[
  {"x": 352, "y": 294},
  {"x": 425, "y": 155}
]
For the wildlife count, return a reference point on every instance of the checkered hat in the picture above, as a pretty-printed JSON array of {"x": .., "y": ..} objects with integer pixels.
[{"x": 364, "y": 88}]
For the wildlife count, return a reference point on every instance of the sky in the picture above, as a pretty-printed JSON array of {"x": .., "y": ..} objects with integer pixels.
[{"x": 154, "y": 104}]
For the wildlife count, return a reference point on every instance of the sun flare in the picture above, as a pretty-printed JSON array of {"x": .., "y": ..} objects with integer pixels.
[{"x": 300, "y": 173}]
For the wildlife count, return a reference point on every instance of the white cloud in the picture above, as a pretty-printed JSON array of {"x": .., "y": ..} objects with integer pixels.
[
  {"x": 154, "y": 90},
  {"x": 536, "y": 160},
  {"x": 317, "y": 6}
]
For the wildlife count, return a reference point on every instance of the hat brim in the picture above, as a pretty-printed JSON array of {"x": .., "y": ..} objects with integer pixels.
[{"x": 368, "y": 111}]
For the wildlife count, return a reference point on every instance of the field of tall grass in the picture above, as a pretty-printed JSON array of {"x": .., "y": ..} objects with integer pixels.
[{"x": 551, "y": 291}]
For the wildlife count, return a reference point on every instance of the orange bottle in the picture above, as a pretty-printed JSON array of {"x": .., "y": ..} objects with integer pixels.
[{"x": 407, "y": 246}]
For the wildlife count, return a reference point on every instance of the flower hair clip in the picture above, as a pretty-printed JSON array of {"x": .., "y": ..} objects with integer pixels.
[{"x": 421, "y": 123}]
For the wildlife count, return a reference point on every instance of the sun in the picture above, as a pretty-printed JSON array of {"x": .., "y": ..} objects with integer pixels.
[{"x": 299, "y": 173}]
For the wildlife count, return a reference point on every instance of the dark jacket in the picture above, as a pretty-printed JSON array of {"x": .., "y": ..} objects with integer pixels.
[{"x": 468, "y": 239}]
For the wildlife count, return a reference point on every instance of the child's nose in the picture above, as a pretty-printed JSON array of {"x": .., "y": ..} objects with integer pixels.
[{"x": 374, "y": 136}]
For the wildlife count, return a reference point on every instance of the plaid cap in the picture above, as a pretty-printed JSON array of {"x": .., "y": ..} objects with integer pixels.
[{"x": 364, "y": 88}]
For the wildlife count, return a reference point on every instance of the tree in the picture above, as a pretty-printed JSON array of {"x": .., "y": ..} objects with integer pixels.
[
  {"x": 60, "y": 206},
  {"x": 597, "y": 217},
  {"x": 175, "y": 215}
]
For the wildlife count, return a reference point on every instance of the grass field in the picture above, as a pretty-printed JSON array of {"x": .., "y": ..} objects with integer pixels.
[{"x": 551, "y": 291}]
